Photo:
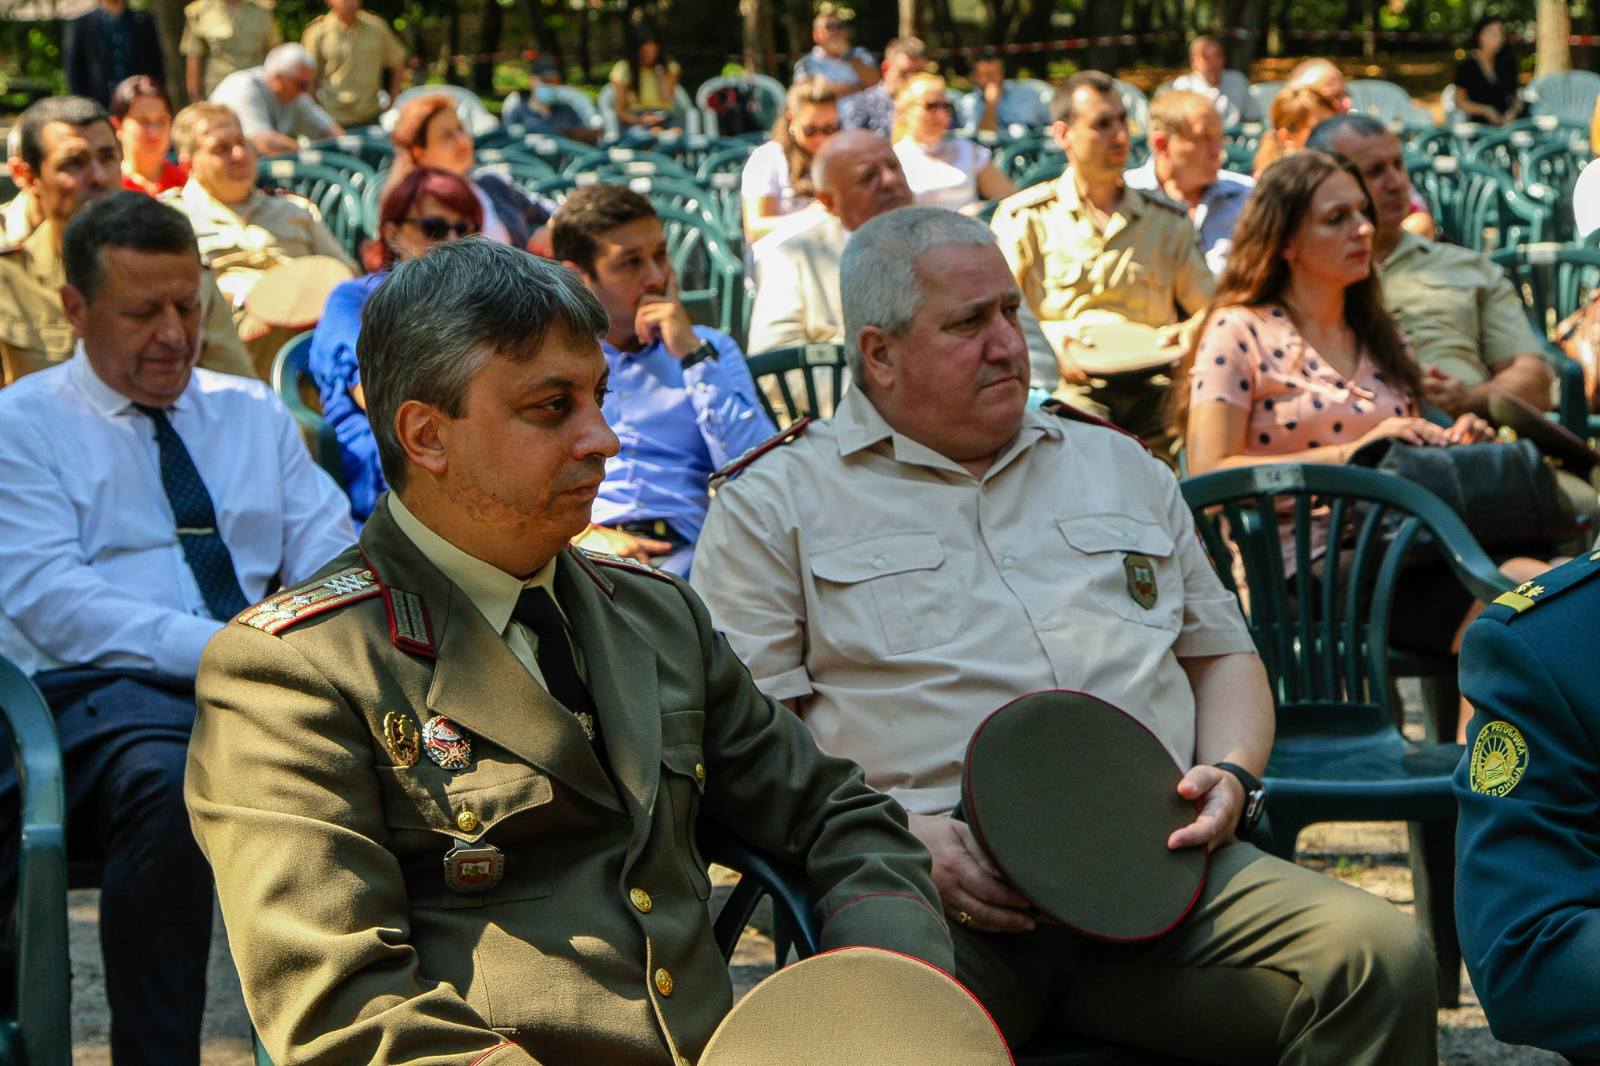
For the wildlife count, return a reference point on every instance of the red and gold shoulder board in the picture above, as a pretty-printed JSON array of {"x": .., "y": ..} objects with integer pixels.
[
  {"x": 1073, "y": 414},
  {"x": 793, "y": 433},
  {"x": 291, "y": 606}
]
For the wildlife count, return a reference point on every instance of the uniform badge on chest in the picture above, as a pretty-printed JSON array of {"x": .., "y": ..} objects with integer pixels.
[
  {"x": 400, "y": 737},
  {"x": 473, "y": 868},
  {"x": 1141, "y": 573},
  {"x": 446, "y": 743}
]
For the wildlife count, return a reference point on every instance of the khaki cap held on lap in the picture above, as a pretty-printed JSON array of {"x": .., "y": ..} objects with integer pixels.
[
  {"x": 863, "y": 1006},
  {"x": 1073, "y": 800},
  {"x": 291, "y": 295}
]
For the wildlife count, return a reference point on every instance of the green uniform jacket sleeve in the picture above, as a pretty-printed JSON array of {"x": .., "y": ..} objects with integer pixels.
[
  {"x": 331, "y": 974},
  {"x": 869, "y": 877},
  {"x": 1528, "y": 858},
  {"x": 220, "y": 347}
]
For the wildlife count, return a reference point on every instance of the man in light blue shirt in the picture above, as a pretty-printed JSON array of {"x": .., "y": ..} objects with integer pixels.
[
  {"x": 996, "y": 104},
  {"x": 143, "y": 503},
  {"x": 681, "y": 400},
  {"x": 1185, "y": 166},
  {"x": 841, "y": 68}
]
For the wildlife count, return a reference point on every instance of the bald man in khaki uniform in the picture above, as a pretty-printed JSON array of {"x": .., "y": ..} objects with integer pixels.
[
  {"x": 451, "y": 787},
  {"x": 75, "y": 158},
  {"x": 222, "y": 36},
  {"x": 935, "y": 551},
  {"x": 1088, "y": 247}
]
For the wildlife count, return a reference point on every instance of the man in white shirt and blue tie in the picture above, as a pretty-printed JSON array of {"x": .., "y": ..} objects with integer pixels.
[{"x": 143, "y": 502}]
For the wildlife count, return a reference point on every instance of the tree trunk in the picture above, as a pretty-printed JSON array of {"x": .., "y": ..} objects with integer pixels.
[
  {"x": 491, "y": 23},
  {"x": 452, "y": 46},
  {"x": 944, "y": 27},
  {"x": 1102, "y": 18},
  {"x": 754, "y": 17},
  {"x": 585, "y": 56},
  {"x": 1555, "y": 48},
  {"x": 910, "y": 18},
  {"x": 168, "y": 15}
]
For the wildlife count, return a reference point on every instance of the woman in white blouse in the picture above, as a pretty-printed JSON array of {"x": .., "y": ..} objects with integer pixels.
[
  {"x": 956, "y": 174},
  {"x": 777, "y": 177}
]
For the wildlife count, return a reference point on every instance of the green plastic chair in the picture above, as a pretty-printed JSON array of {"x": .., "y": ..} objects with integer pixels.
[
  {"x": 804, "y": 381},
  {"x": 334, "y": 193},
  {"x": 1338, "y": 755},
  {"x": 631, "y": 161},
  {"x": 288, "y": 372},
  {"x": 517, "y": 165},
  {"x": 40, "y": 1032},
  {"x": 355, "y": 171},
  {"x": 1048, "y": 167},
  {"x": 1554, "y": 280},
  {"x": 1477, "y": 206},
  {"x": 375, "y": 150},
  {"x": 729, "y": 159},
  {"x": 1016, "y": 158}
]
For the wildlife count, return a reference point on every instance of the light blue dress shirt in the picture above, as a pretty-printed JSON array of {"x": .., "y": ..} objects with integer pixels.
[
  {"x": 92, "y": 573},
  {"x": 1019, "y": 106},
  {"x": 677, "y": 428},
  {"x": 1216, "y": 217}
]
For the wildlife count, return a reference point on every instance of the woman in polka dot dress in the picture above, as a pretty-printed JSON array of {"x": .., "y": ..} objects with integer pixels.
[{"x": 1299, "y": 362}]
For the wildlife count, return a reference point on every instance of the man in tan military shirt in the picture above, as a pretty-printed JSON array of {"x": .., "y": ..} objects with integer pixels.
[
  {"x": 357, "y": 54},
  {"x": 937, "y": 550},
  {"x": 451, "y": 789},
  {"x": 69, "y": 156},
  {"x": 1087, "y": 249},
  {"x": 243, "y": 232},
  {"x": 1464, "y": 320},
  {"x": 222, "y": 36}
]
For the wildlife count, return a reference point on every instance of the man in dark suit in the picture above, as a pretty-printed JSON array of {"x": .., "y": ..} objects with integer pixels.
[{"x": 103, "y": 47}]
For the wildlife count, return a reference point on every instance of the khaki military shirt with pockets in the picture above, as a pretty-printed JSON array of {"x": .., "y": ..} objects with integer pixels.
[
  {"x": 574, "y": 927},
  {"x": 35, "y": 333},
  {"x": 1457, "y": 308},
  {"x": 228, "y": 37},
  {"x": 351, "y": 64},
  {"x": 1145, "y": 266},
  {"x": 901, "y": 600}
]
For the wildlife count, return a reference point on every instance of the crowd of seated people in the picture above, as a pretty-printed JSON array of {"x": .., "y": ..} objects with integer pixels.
[{"x": 1289, "y": 316}]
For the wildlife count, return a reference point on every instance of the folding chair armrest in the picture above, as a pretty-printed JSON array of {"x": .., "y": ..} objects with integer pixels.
[{"x": 759, "y": 875}]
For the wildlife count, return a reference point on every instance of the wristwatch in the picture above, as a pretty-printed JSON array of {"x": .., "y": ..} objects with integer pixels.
[
  {"x": 1255, "y": 797},
  {"x": 698, "y": 355}
]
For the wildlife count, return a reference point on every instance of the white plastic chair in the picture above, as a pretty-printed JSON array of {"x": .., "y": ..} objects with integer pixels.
[
  {"x": 475, "y": 118},
  {"x": 770, "y": 90},
  {"x": 1264, "y": 92},
  {"x": 1138, "y": 106},
  {"x": 1569, "y": 95},
  {"x": 1381, "y": 99}
]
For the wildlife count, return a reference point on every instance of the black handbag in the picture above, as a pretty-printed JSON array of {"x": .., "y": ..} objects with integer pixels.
[{"x": 1505, "y": 493}]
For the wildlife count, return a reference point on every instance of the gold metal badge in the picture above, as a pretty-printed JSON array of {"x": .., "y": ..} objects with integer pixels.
[
  {"x": 401, "y": 738},
  {"x": 1499, "y": 759},
  {"x": 1141, "y": 579}
]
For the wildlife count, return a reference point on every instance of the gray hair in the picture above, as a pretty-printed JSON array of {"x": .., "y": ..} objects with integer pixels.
[
  {"x": 287, "y": 59},
  {"x": 1328, "y": 130},
  {"x": 438, "y": 318},
  {"x": 878, "y": 282}
]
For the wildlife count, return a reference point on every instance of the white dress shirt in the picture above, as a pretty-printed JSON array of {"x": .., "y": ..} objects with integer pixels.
[{"x": 92, "y": 573}]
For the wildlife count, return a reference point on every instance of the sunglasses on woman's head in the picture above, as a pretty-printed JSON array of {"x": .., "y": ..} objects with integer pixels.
[
  {"x": 939, "y": 105},
  {"x": 435, "y": 228}
]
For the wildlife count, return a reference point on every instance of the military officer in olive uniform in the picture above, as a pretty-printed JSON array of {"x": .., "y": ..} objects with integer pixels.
[
  {"x": 222, "y": 36},
  {"x": 1086, "y": 247},
  {"x": 70, "y": 156},
  {"x": 450, "y": 787},
  {"x": 1528, "y": 848}
]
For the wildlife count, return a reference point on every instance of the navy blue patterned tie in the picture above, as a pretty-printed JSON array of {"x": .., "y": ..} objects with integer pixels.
[{"x": 196, "y": 520}]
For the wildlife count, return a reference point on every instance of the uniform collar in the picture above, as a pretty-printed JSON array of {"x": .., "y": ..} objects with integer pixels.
[
  {"x": 108, "y": 401},
  {"x": 1133, "y": 201},
  {"x": 1408, "y": 244},
  {"x": 858, "y": 426},
  {"x": 492, "y": 591},
  {"x": 198, "y": 196},
  {"x": 43, "y": 257}
]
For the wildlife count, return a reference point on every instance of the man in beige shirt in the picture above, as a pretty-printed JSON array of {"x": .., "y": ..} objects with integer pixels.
[
  {"x": 937, "y": 550},
  {"x": 68, "y": 155},
  {"x": 1464, "y": 320},
  {"x": 1086, "y": 249},
  {"x": 243, "y": 232},
  {"x": 222, "y": 36},
  {"x": 357, "y": 55}
]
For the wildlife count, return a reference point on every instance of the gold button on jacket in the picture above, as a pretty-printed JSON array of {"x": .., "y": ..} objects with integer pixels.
[
  {"x": 327, "y": 847},
  {"x": 641, "y": 899}
]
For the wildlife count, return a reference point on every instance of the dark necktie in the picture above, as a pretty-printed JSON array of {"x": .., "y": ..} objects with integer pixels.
[
  {"x": 537, "y": 610},
  {"x": 196, "y": 519}
]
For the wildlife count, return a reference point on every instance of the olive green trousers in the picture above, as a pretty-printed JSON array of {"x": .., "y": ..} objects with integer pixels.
[{"x": 1275, "y": 964}]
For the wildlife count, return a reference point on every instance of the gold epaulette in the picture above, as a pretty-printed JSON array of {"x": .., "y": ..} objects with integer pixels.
[{"x": 292, "y": 606}]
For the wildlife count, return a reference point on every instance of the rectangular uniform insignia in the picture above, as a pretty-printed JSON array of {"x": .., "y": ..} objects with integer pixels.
[
  {"x": 277, "y": 613},
  {"x": 409, "y": 629}
]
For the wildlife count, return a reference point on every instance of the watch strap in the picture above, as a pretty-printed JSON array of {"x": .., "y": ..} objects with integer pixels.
[
  {"x": 698, "y": 355},
  {"x": 1254, "y": 794}
]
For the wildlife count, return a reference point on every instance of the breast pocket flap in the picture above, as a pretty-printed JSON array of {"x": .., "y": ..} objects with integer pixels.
[
  {"x": 1092, "y": 534},
  {"x": 895, "y": 553}
]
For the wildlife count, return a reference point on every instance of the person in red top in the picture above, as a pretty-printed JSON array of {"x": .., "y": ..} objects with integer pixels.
[{"x": 141, "y": 114}]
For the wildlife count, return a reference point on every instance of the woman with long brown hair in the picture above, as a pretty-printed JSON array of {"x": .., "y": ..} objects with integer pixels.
[
  {"x": 777, "y": 176},
  {"x": 1297, "y": 361}
]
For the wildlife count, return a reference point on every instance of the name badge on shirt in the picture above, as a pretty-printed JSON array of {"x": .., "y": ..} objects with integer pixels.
[{"x": 470, "y": 869}]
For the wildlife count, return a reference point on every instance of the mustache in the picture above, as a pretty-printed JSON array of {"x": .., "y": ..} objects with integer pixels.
[{"x": 588, "y": 472}]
